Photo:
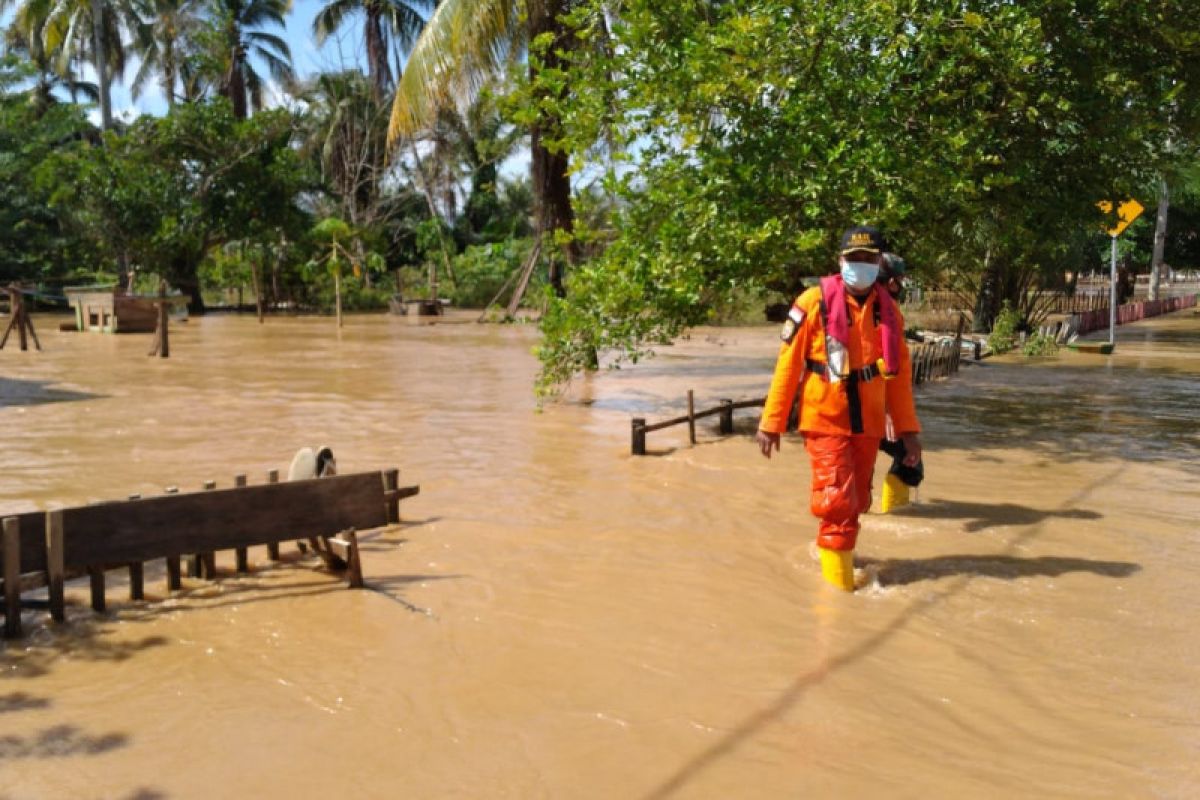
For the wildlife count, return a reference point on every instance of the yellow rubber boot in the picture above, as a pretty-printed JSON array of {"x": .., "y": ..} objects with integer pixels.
[
  {"x": 837, "y": 567},
  {"x": 895, "y": 493}
]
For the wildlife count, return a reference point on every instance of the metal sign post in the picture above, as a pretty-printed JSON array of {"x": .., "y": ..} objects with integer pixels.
[
  {"x": 1112, "y": 296},
  {"x": 1127, "y": 212}
]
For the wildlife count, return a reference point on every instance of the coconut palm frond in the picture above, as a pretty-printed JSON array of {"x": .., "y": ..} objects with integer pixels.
[
  {"x": 463, "y": 44},
  {"x": 331, "y": 17}
]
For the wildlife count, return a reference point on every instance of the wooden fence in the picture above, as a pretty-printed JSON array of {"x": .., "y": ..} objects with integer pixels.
[
  {"x": 44, "y": 549},
  {"x": 1130, "y": 312},
  {"x": 930, "y": 360}
]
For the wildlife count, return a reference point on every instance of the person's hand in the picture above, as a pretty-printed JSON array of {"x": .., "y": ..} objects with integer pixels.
[
  {"x": 912, "y": 449},
  {"x": 768, "y": 441},
  {"x": 889, "y": 430}
]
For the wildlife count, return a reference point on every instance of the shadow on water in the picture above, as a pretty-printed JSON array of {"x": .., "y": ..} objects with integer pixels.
[
  {"x": 18, "y": 392},
  {"x": 982, "y": 516},
  {"x": 84, "y": 639},
  {"x": 58, "y": 741},
  {"x": 900, "y": 572},
  {"x": 784, "y": 702}
]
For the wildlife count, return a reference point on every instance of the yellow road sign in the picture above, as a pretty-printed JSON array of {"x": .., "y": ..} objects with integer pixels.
[{"x": 1127, "y": 212}]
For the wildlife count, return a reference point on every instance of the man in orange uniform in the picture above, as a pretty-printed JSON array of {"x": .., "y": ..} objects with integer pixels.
[{"x": 843, "y": 348}]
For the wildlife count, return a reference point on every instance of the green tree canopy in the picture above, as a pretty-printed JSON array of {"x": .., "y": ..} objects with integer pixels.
[{"x": 748, "y": 134}]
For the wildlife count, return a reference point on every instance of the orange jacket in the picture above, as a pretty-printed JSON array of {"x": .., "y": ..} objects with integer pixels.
[{"x": 825, "y": 406}]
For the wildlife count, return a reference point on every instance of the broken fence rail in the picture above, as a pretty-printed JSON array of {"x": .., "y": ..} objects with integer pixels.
[
  {"x": 930, "y": 360},
  {"x": 46, "y": 548}
]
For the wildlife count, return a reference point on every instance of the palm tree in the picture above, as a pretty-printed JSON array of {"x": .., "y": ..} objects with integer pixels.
[
  {"x": 465, "y": 43},
  {"x": 238, "y": 20},
  {"x": 399, "y": 20},
  {"x": 161, "y": 43},
  {"x": 41, "y": 94},
  {"x": 72, "y": 30}
]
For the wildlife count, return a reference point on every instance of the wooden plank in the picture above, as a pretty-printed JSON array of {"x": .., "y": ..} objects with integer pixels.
[
  {"x": 12, "y": 577},
  {"x": 55, "y": 572},
  {"x": 204, "y": 522}
]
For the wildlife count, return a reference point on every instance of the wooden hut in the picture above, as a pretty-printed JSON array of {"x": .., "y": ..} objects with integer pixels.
[{"x": 106, "y": 309}]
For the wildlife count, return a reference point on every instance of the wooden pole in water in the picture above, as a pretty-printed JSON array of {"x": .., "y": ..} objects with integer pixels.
[
  {"x": 96, "y": 575},
  {"x": 273, "y": 477},
  {"x": 691, "y": 416},
  {"x": 639, "y": 436},
  {"x": 242, "y": 553},
  {"x": 208, "y": 561},
  {"x": 55, "y": 572},
  {"x": 726, "y": 417},
  {"x": 12, "y": 577},
  {"x": 137, "y": 581},
  {"x": 174, "y": 576},
  {"x": 391, "y": 481},
  {"x": 354, "y": 567}
]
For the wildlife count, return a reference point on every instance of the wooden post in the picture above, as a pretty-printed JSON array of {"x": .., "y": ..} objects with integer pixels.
[
  {"x": 55, "y": 573},
  {"x": 162, "y": 347},
  {"x": 243, "y": 559},
  {"x": 354, "y": 568},
  {"x": 164, "y": 337},
  {"x": 639, "y": 436},
  {"x": 726, "y": 417},
  {"x": 96, "y": 574},
  {"x": 137, "y": 581},
  {"x": 391, "y": 481},
  {"x": 208, "y": 561},
  {"x": 174, "y": 576},
  {"x": 12, "y": 577},
  {"x": 691, "y": 416},
  {"x": 273, "y": 547},
  {"x": 19, "y": 319}
]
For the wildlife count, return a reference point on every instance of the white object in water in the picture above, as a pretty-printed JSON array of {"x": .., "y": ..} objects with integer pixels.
[{"x": 310, "y": 463}]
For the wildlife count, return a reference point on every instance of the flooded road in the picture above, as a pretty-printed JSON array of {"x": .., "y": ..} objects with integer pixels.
[{"x": 558, "y": 619}]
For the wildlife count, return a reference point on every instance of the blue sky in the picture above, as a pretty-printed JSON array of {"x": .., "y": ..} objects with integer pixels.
[{"x": 337, "y": 53}]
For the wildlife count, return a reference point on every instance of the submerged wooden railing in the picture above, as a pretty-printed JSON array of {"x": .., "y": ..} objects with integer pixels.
[
  {"x": 930, "y": 360},
  {"x": 44, "y": 549}
]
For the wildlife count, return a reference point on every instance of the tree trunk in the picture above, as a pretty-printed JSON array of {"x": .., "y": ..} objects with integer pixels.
[
  {"x": 98, "y": 52},
  {"x": 987, "y": 302},
  {"x": 549, "y": 169},
  {"x": 377, "y": 57},
  {"x": 1160, "y": 239},
  {"x": 169, "y": 73},
  {"x": 235, "y": 83}
]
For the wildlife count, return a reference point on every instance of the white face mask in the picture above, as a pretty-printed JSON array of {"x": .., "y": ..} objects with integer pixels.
[{"x": 859, "y": 275}]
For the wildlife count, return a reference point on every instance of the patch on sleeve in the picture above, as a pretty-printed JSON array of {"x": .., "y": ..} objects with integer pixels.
[{"x": 791, "y": 325}]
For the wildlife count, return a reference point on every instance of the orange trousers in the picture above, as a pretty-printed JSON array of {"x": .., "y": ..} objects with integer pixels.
[{"x": 842, "y": 468}]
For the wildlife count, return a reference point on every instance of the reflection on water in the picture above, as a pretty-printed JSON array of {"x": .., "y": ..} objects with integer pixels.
[{"x": 559, "y": 619}]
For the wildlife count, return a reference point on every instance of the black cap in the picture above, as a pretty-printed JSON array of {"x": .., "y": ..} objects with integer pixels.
[{"x": 863, "y": 237}]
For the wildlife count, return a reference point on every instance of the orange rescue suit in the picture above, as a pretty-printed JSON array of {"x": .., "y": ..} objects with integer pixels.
[{"x": 843, "y": 460}]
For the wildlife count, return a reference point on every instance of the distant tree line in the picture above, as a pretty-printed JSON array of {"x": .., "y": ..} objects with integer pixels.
[{"x": 684, "y": 155}]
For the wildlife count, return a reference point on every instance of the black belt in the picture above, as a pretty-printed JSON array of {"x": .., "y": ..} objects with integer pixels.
[{"x": 863, "y": 374}]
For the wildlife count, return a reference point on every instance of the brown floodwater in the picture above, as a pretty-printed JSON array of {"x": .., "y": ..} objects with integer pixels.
[{"x": 558, "y": 619}]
